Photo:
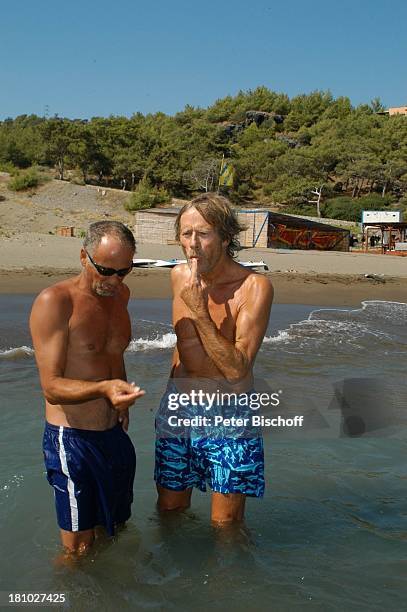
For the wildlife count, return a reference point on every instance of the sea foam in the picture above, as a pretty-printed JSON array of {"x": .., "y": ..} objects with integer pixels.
[{"x": 16, "y": 352}]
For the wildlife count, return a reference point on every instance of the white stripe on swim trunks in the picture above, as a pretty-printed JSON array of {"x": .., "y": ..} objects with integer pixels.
[{"x": 71, "y": 488}]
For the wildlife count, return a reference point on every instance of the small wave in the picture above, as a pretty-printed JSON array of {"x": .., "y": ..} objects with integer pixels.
[
  {"x": 18, "y": 352},
  {"x": 371, "y": 311},
  {"x": 166, "y": 341},
  {"x": 324, "y": 330},
  {"x": 375, "y": 324},
  {"x": 155, "y": 323},
  {"x": 282, "y": 336}
]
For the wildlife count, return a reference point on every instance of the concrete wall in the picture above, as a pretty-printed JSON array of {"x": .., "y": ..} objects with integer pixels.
[
  {"x": 254, "y": 222},
  {"x": 154, "y": 227}
]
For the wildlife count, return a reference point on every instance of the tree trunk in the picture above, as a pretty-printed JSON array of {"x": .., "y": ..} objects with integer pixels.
[{"x": 61, "y": 169}]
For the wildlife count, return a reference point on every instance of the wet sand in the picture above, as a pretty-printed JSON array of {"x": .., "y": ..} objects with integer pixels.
[
  {"x": 290, "y": 288},
  {"x": 31, "y": 261}
]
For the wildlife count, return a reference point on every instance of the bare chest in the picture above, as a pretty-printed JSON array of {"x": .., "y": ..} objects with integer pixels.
[
  {"x": 94, "y": 329},
  {"x": 223, "y": 312}
]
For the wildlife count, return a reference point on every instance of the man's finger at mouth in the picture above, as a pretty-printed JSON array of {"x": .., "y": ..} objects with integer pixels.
[{"x": 194, "y": 266}]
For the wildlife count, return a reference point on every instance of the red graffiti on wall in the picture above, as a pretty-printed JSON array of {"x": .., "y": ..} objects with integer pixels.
[{"x": 303, "y": 238}]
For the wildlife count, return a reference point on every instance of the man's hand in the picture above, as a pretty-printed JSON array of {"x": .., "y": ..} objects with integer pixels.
[
  {"x": 234, "y": 358},
  {"x": 194, "y": 295},
  {"x": 121, "y": 394}
]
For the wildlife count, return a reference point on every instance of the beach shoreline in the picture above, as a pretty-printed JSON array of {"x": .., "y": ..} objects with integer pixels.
[
  {"x": 290, "y": 288},
  {"x": 33, "y": 257}
]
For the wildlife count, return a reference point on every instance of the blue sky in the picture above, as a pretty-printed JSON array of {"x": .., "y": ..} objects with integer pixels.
[{"x": 84, "y": 59}]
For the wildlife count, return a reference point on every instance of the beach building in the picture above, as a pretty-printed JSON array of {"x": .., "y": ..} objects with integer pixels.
[
  {"x": 264, "y": 228},
  {"x": 394, "y": 110},
  {"x": 278, "y": 231},
  {"x": 384, "y": 230},
  {"x": 397, "y": 110},
  {"x": 155, "y": 225}
]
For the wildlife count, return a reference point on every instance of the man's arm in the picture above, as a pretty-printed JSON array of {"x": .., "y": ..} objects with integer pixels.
[
  {"x": 49, "y": 329},
  {"x": 174, "y": 282},
  {"x": 233, "y": 359}
]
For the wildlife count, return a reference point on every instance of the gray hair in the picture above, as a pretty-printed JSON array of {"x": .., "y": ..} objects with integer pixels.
[
  {"x": 97, "y": 230},
  {"x": 218, "y": 212}
]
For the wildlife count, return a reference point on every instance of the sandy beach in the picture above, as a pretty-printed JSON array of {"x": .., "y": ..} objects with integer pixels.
[
  {"x": 31, "y": 262},
  {"x": 33, "y": 257}
]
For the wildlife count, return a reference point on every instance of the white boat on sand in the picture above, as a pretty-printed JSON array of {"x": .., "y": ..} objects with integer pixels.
[{"x": 170, "y": 263}]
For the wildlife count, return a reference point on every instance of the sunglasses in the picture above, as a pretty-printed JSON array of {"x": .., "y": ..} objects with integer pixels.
[{"x": 109, "y": 271}]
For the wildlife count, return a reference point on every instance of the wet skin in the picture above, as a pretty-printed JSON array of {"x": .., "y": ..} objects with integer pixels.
[
  {"x": 80, "y": 330},
  {"x": 220, "y": 315}
]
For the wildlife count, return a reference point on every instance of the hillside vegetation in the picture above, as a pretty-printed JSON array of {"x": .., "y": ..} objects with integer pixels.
[{"x": 281, "y": 150}]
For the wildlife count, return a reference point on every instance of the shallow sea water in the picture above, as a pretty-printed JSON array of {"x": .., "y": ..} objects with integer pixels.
[{"x": 330, "y": 533}]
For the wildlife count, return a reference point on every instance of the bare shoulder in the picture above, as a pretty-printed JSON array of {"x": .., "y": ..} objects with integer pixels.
[
  {"x": 54, "y": 300},
  {"x": 179, "y": 275},
  {"x": 258, "y": 287},
  {"x": 180, "y": 270}
]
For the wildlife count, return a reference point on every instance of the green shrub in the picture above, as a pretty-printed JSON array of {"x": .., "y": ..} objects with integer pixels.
[
  {"x": 402, "y": 204},
  {"x": 343, "y": 208},
  {"x": 308, "y": 210},
  {"x": 145, "y": 196},
  {"x": 243, "y": 190},
  {"x": 350, "y": 209},
  {"x": 374, "y": 201},
  {"x": 268, "y": 189},
  {"x": 28, "y": 179},
  {"x": 24, "y": 180},
  {"x": 8, "y": 167},
  {"x": 238, "y": 116},
  {"x": 77, "y": 179}
]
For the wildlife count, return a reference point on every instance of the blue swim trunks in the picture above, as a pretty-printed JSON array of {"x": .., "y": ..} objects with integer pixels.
[
  {"x": 92, "y": 473},
  {"x": 229, "y": 460}
]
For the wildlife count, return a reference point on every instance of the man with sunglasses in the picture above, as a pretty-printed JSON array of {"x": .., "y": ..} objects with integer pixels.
[{"x": 80, "y": 329}]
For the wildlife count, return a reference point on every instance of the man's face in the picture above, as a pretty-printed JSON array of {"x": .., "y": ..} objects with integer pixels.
[
  {"x": 110, "y": 253},
  {"x": 200, "y": 241}
]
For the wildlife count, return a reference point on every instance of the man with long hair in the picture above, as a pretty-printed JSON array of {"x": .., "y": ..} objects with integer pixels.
[{"x": 220, "y": 314}]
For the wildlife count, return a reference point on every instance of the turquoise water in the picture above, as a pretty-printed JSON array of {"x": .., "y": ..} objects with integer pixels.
[{"x": 330, "y": 533}]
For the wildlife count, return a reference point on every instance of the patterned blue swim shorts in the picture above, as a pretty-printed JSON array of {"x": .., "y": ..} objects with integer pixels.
[{"x": 230, "y": 461}]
